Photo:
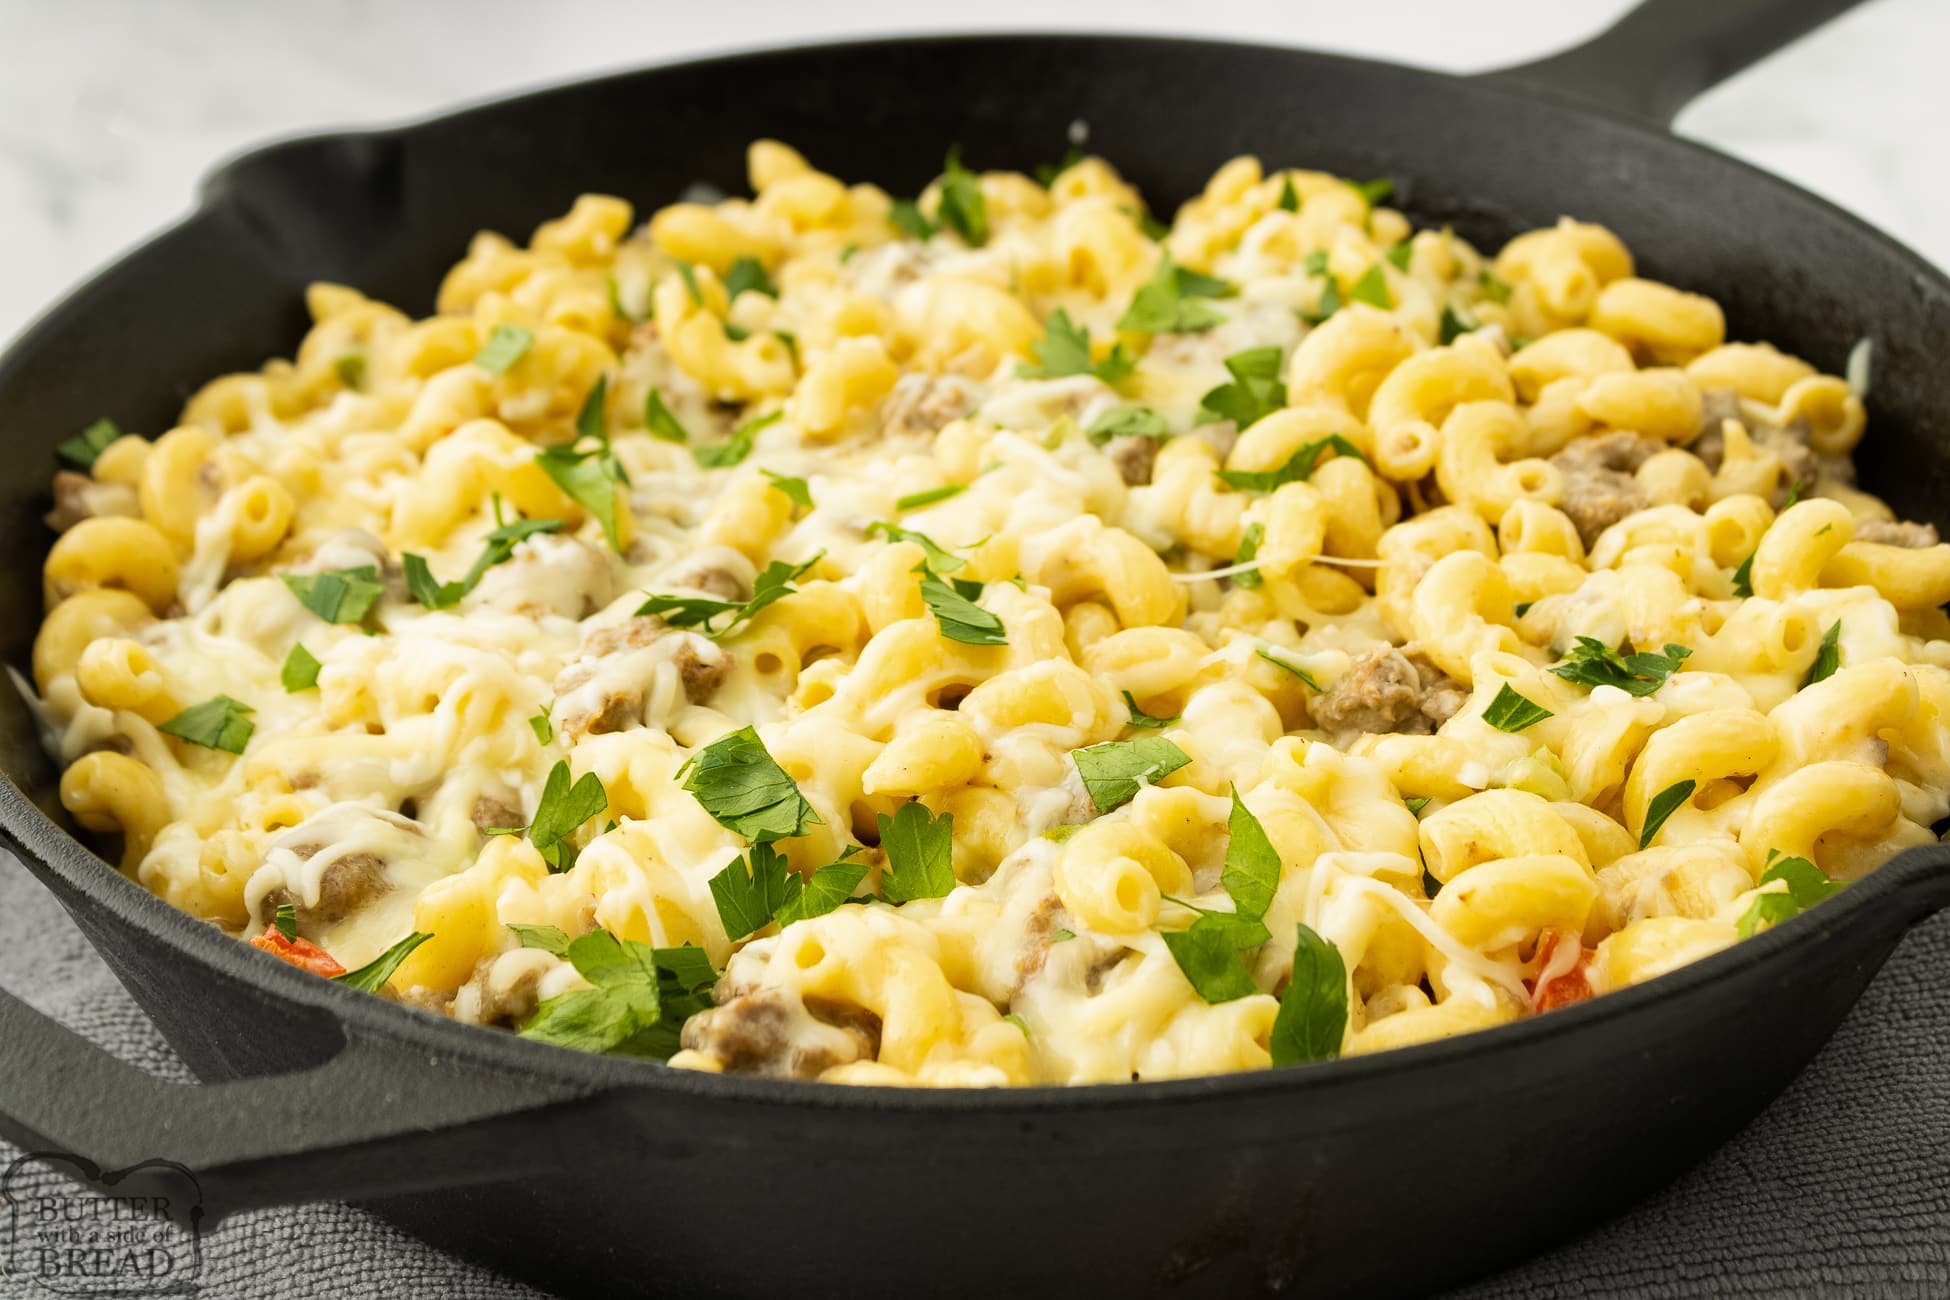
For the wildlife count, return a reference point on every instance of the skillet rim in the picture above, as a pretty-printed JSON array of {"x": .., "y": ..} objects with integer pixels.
[{"x": 46, "y": 848}]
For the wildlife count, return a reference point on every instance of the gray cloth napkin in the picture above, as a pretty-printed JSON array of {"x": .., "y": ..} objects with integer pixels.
[{"x": 1841, "y": 1188}]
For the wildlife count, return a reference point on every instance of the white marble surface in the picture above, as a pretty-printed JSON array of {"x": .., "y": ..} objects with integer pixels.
[{"x": 110, "y": 110}]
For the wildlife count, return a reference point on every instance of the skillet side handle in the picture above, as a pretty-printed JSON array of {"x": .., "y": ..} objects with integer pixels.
[
  {"x": 377, "y": 1119},
  {"x": 1662, "y": 54}
]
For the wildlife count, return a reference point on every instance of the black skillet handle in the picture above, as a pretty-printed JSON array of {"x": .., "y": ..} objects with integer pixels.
[
  {"x": 376, "y": 1119},
  {"x": 1660, "y": 55}
]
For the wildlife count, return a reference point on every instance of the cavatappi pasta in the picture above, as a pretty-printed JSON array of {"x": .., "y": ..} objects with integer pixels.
[{"x": 994, "y": 638}]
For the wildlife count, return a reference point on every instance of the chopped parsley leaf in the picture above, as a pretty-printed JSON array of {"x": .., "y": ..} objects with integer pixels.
[
  {"x": 1512, "y": 712},
  {"x": 1249, "y": 539},
  {"x": 1169, "y": 302},
  {"x": 733, "y": 450},
  {"x": 1065, "y": 350},
  {"x": 1266, "y": 653},
  {"x": 1254, "y": 393},
  {"x": 506, "y": 345},
  {"x": 562, "y": 809},
  {"x": 748, "y": 273},
  {"x": 919, "y": 848},
  {"x": 1299, "y": 466},
  {"x": 1664, "y": 805},
  {"x": 1806, "y": 886},
  {"x": 1127, "y": 422},
  {"x": 660, "y": 423},
  {"x": 372, "y": 977},
  {"x": 1142, "y": 720},
  {"x": 915, "y": 500},
  {"x": 956, "y": 613},
  {"x": 1114, "y": 771},
  {"x": 772, "y": 584},
  {"x": 795, "y": 489},
  {"x": 338, "y": 596},
  {"x": 1592, "y": 663},
  {"x": 90, "y": 443},
  {"x": 1312, "y": 1020},
  {"x": 962, "y": 207},
  {"x": 1828, "y": 657},
  {"x": 217, "y": 723},
  {"x": 744, "y": 789},
  {"x": 300, "y": 671}
]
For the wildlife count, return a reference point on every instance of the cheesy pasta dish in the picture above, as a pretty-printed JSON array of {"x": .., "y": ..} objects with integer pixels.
[{"x": 994, "y": 637}]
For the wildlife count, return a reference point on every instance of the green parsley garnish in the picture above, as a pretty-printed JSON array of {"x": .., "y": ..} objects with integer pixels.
[
  {"x": 1114, "y": 771},
  {"x": 285, "y": 920},
  {"x": 1806, "y": 886},
  {"x": 1211, "y": 955},
  {"x": 1289, "y": 197},
  {"x": 796, "y": 489},
  {"x": 1329, "y": 302},
  {"x": 590, "y": 478},
  {"x": 1828, "y": 657},
  {"x": 1255, "y": 390},
  {"x": 351, "y": 370},
  {"x": 1249, "y": 539},
  {"x": 732, "y": 451},
  {"x": 915, "y": 500},
  {"x": 1512, "y": 712},
  {"x": 1494, "y": 287},
  {"x": 340, "y": 596},
  {"x": 1312, "y": 1021},
  {"x": 1592, "y": 663},
  {"x": 640, "y": 999},
  {"x": 907, "y": 217},
  {"x": 506, "y": 345},
  {"x": 660, "y": 423},
  {"x": 1398, "y": 255},
  {"x": 829, "y": 886},
  {"x": 919, "y": 848},
  {"x": 1456, "y": 322},
  {"x": 751, "y": 889},
  {"x": 592, "y": 421},
  {"x": 1416, "y": 803},
  {"x": 90, "y": 443},
  {"x": 1142, "y": 720},
  {"x": 1299, "y": 466},
  {"x": 544, "y": 729},
  {"x": 1664, "y": 804},
  {"x": 1373, "y": 192},
  {"x": 956, "y": 612},
  {"x": 939, "y": 559},
  {"x": 563, "y": 808},
  {"x": 1287, "y": 665},
  {"x": 962, "y": 208},
  {"x": 1065, "y": 350},
  {"x": 1127, "y": 422},
  {"x": 773, "y": 584},
  {"x": 1169, "y": 303},
  {"x": 748, "y": 273},
  {"x": 688, "y": 275},
  {"x": 218, "y": 723},
  {"x": 300, "y": 671},
  {"x": 500, "y": 547},
  {"x": 744, "y": 789},
  {"x": 1372, "y": 288},
  {"x": 372, "y": 977},
  {"x": 1252, "y": 867}
]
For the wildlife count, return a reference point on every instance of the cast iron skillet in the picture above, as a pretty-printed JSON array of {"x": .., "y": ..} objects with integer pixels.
[{"x": 586, "y": 1174}]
